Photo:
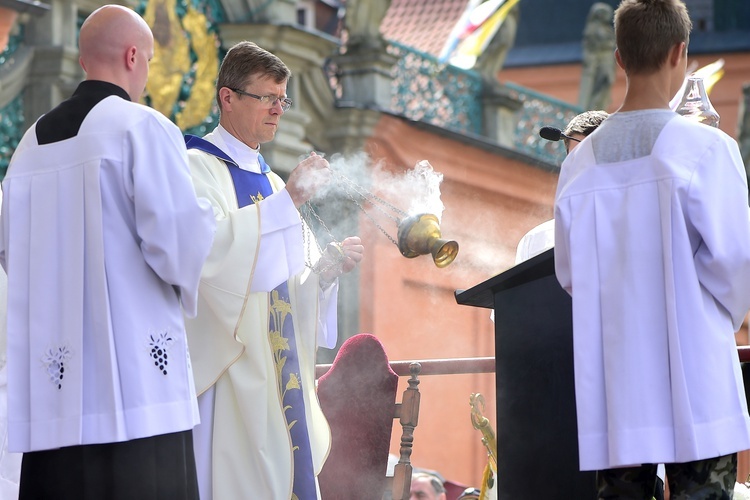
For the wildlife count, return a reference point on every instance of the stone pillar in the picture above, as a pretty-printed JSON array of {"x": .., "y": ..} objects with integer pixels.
[
  {"x": 347, "y": 131},
  {"x": 280, "y": 12},
  {"x": 13, "y": 74},
  {"x": 366, "y": 78},
  {"x": 349, "y": 128},
  {"x": 260, "y": 11},
  {"x": 499, "y": 108},
  {"x": 55, "y": 71}
]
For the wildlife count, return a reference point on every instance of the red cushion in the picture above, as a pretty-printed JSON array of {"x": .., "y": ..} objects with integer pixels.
[{"x": 358, "y": 396}]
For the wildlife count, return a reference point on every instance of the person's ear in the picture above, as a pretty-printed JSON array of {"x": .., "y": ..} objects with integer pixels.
[
  {"x": 226, "y": 97},
  {"x": 677, "y": 53},
  {"x": 618, "y": 59},
  {"x": 130, "y": 57}
]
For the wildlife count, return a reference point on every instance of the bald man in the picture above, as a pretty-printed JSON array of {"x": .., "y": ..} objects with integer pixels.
[
  {"x": 425, "y": 486},
  {"x": 103, "y": 240}
]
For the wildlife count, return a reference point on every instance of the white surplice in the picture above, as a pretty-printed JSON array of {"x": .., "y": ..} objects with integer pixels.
[
  {"x": 103, "y": 240},
  {"x": 10, "y": 463},
  {"x": 655, "y": 252}
]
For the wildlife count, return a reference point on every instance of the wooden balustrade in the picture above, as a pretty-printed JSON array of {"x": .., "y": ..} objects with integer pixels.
[
  {"x": 450, "y": 366},
  {"x": 453, "y": 366}
]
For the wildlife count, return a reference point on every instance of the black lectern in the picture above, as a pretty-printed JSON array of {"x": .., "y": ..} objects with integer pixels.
[{"x": 536, "y": 418}]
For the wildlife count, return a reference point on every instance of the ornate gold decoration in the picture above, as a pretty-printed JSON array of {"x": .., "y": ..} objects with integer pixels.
[
  {"x": 171, "y": 65},
  {"x": 206, "y": 68},
  {"x": 482, "y": 424}
]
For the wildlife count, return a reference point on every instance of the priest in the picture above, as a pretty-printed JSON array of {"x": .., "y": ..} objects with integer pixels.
[{"x": 267, "y": 297}]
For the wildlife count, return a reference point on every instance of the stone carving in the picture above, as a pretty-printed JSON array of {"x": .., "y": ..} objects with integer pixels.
[
  {"x": 362, "y": 23},
  {"x": 258, "y": 11},
  {"x": 598, "y": 58},
  {"x": 491, "y": 61}
]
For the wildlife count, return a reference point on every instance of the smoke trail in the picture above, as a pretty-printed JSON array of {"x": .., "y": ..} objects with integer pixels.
[{"x": 411, "y": 192}]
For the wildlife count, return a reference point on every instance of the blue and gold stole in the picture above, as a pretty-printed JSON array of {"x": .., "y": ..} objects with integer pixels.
[{"x": 250, "y": 188}]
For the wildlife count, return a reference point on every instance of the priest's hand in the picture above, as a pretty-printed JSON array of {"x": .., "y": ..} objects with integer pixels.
[
  {"x": 340, "y": 258},
  {"x": 307, "y": 178}
]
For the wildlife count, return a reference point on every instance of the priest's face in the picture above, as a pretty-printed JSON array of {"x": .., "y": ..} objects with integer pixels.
[{"x": 253, "y": 119}]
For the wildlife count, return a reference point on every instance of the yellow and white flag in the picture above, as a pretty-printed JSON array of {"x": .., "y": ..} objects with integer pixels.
[
  {"x": 474, "y": 31},
  {"x": 475, "y": 42}
]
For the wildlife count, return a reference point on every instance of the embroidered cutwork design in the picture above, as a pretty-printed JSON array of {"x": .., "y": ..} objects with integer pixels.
[
  {"x": 54, "y": 363},
  {"x": 159, "y": 342}
]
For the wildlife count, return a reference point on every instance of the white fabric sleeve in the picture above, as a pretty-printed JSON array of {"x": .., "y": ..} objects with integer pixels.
[
  {"x": 280, "y": 255},
  {"x": 176, "y": 228},
  {"x": 328, "y": 318},
  {"x": 561, "y": 236},
  {"x": 562, "y": 254},
  {"x": 718, "y": 207},
  {"x": 28, "y": 140},
  {"x": 3, "y": 236}
]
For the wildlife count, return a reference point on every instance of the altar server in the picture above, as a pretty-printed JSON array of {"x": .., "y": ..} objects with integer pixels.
[
  {"x": 103, "y": 240},
  {"x": 262, "y": 311},
  {"x": 653, "y": 243}
]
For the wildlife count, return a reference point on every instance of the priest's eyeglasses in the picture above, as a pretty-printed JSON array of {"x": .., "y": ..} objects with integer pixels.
[{"x": 268, "y": 100}]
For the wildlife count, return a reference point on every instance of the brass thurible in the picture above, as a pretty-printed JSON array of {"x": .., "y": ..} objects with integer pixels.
[{"x": 420, "y": 234}]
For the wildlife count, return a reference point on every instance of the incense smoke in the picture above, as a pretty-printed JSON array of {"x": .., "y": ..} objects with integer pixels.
[{"x": 410, "y": 192}]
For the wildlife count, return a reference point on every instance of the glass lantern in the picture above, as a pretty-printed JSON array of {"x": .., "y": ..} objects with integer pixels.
[{"x": 695, "y": 104}]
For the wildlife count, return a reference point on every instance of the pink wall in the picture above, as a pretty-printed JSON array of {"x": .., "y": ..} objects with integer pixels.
[{"x": 490, "y": 202}]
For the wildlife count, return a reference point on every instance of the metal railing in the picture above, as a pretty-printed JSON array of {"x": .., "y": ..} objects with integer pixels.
[
  {"x": 440, "y": 94},
  {"x": 539, "y": 110},
  {"x": 451, "y": 97}
]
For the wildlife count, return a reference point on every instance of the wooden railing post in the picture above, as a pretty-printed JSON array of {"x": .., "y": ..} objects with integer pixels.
[{"x": 408, "y": 414}]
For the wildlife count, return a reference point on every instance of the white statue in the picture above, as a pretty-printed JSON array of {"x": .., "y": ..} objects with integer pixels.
[
  {"x": 598, "y": 58},
  {"x": 492, "y": 59}
]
